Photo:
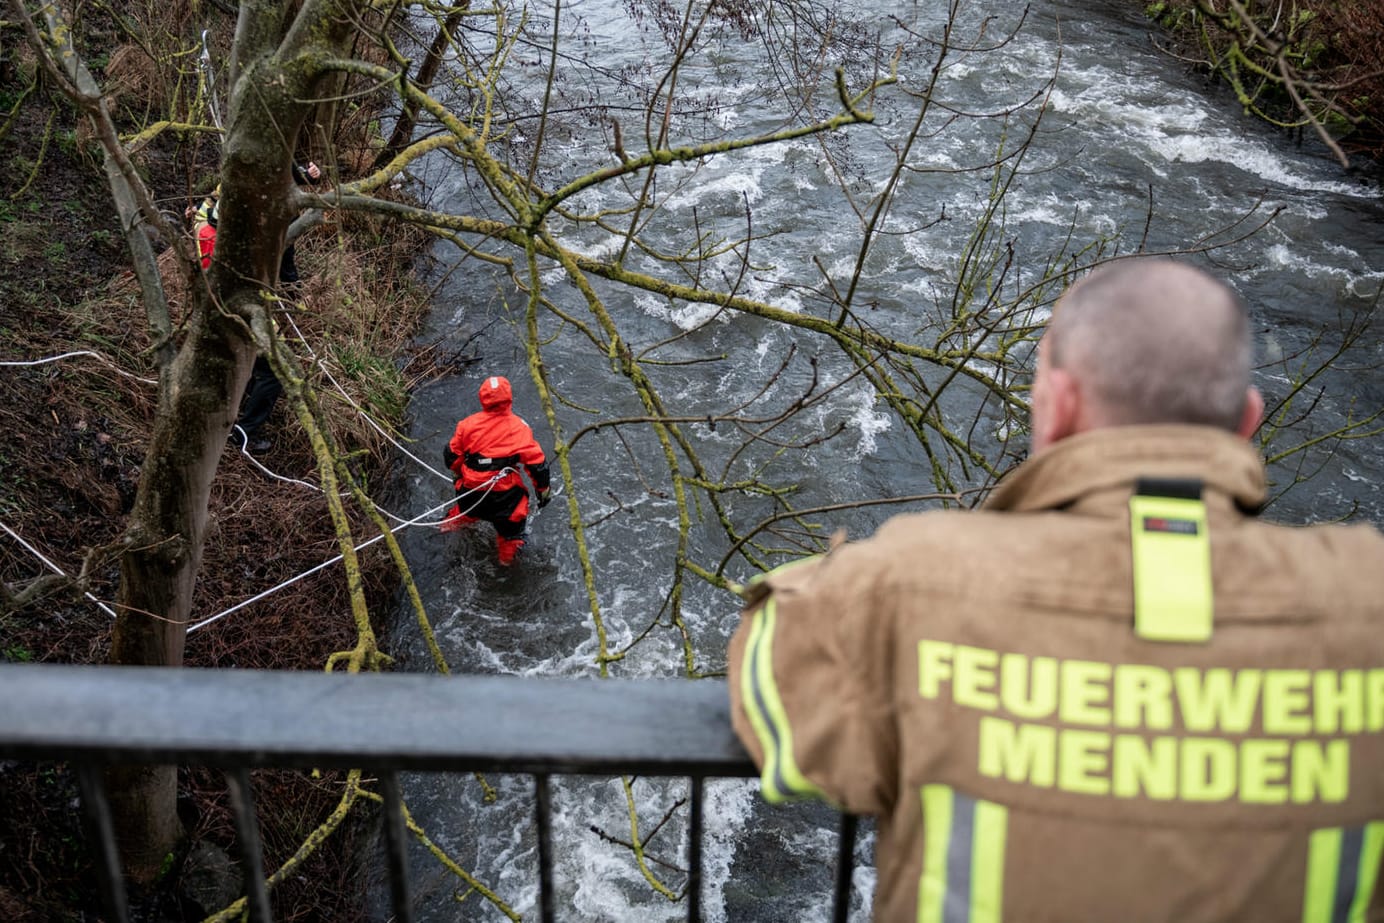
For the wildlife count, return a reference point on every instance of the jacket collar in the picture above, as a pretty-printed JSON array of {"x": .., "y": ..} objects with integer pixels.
[{"x": 1116, "y": 457}]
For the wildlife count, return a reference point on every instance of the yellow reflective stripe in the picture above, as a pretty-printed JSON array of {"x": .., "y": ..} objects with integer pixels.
[
  {"x": 748, "y": 697},
  {"x": 1323, "y": 870},
  {"x": 1172, "y": 568},
  {"x": 987, "y": 862},
  {"x": 1371, "y": 854},
  {"x": 937, "y": 820},
  {"x": 963, "y": 858},
  {"x": 1342, "y": 873},
  {"x": 780, "y": 777},
  {"x": 1323, "y": 860}
]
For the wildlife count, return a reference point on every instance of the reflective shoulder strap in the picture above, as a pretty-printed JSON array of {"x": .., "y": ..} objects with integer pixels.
[
  {"x": 1172, "y": 561},
  {"x": 780, "y": 778}
]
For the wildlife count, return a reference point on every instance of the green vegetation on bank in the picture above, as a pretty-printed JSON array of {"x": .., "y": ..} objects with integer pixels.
[{"x": 1306, "y": 65}]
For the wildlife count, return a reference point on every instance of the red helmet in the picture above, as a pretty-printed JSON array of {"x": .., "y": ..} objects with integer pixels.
[{"x": 495, "y": 392}]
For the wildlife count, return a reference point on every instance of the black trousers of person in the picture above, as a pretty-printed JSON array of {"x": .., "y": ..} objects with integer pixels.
[
  {"x": 263, "y": 389},
  {"x": 288, "y": 267},
  {"x": 495, "y": 508},
  {"x": 261, "y": 392}
]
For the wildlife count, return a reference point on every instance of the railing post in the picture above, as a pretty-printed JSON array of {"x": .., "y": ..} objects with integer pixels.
[
  {"x": 694, "y": 853},
  {"x": 545, "y": 847},
  {"x": 101, "y": 830},
  {"x": 396, "y": 847},
  {"x": 845, "y": 864},
  {"x": 251, "y": 854}
]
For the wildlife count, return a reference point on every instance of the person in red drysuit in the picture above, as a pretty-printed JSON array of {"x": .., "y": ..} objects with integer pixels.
[
  {"x": 486, "y": 454},
  {"x": 205, "y": 227}
]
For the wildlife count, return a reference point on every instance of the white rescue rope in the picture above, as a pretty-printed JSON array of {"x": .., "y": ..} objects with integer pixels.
[
  {"x": 210, "y": 83},
  {"x": 54, "y": 568},
  {"x": 360, "y": 410},
  {"x": 309, "y": 572},
  {"x": 245, "y": 450},
  {"x": 81, "y": 352}
]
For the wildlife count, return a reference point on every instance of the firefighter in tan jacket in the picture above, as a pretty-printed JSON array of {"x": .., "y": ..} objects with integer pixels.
[{"x": 1113, "y": 694}]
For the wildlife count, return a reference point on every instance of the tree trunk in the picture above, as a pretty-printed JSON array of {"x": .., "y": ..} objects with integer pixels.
[{"x": 167, "y": 525}]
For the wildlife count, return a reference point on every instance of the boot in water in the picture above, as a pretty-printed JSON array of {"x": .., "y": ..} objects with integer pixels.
[{"x": 508, "y": 550}]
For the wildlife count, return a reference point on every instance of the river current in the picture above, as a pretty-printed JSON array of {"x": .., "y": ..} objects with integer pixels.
[{"x": 1132, "y": 148}]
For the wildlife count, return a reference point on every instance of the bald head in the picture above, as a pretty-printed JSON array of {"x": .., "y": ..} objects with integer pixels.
[{"x": 1148, "y": 341}]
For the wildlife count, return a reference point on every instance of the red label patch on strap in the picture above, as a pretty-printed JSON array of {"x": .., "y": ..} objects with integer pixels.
[{"x": 1174, "y": 526}]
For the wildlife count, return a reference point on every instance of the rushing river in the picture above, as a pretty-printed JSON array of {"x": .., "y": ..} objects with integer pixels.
[{"x": 1127, "y": 132}]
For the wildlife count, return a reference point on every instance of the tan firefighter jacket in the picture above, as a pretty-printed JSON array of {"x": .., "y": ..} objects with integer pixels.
[{"x": 979, "y": 681}]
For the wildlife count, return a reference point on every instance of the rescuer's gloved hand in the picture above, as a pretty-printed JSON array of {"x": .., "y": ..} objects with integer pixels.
[{"x": 543, "y": 497}]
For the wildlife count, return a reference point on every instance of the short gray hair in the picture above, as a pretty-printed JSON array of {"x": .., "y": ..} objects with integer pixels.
[{"x": 1155, "y": 341}]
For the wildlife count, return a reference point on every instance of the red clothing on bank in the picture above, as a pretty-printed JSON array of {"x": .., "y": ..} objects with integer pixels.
[{"x": 206, "y": 243}]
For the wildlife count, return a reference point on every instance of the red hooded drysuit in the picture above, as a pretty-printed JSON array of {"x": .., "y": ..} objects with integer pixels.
[{"x": 486, "y": 454}]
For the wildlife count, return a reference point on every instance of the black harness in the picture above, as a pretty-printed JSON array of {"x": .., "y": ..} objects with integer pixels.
[{"x": 481, "y": 463}]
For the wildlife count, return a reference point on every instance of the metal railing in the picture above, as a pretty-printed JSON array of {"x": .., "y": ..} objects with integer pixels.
[{"x": 239, "y": 720}]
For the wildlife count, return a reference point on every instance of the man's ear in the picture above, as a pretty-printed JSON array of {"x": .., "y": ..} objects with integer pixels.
[
  {"x": 1066, "y": 405},
  {"x": 1252, "y": 414},
  {"x": 1060, "y": 414}
]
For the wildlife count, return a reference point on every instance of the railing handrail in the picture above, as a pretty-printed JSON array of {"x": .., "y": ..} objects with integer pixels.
[
  {"x": 399, "y": 721},
  {"x": 239, "y": 720}
]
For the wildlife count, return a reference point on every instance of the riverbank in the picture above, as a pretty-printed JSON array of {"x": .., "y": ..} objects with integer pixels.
[
  {"x": 1310, "y": 67},
  {"x": 76, "y": 412}
]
